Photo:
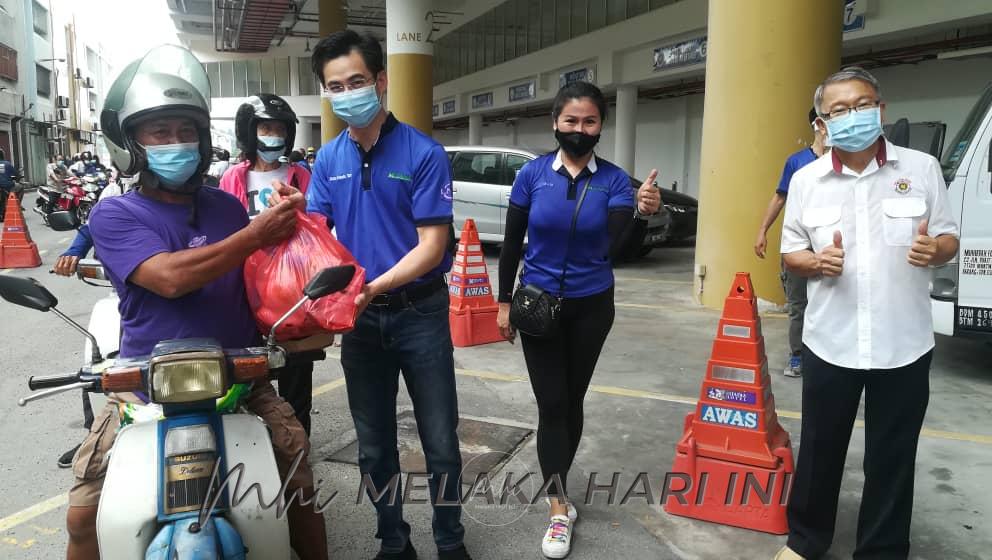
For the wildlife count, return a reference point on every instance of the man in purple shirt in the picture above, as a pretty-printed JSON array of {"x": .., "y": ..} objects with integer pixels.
[{"x": 174, "y": 252}]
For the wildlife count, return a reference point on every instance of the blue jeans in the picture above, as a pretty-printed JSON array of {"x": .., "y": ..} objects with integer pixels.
[{"x": 417, "y": 341}]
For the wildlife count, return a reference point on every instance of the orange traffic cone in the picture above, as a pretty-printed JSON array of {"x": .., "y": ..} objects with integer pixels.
[
  {"x": 737, "y": 456},
  {"x": 472, "y": 312},
  {"x": 16, "y": 248}
]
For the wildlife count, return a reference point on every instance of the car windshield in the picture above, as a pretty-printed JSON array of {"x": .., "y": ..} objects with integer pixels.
[{"x": 956, "y": 149}]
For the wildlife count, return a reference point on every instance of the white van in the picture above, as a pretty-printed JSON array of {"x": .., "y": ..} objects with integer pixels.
[{"x": 961, "y": 291}]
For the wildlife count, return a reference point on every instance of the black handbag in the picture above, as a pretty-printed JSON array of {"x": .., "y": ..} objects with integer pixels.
[{"x": 534, "y": 311}]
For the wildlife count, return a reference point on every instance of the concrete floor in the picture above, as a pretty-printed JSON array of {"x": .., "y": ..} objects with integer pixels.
[{"x": 646, "y": 381}]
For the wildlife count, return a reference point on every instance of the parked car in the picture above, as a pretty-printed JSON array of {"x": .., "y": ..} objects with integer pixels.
[
  {"x": 684, "y": 210},
  {"x": 483, "y": 177}
]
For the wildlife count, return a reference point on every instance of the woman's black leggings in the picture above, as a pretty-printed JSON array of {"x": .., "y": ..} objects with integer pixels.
[{"x": 560, "y": 369}]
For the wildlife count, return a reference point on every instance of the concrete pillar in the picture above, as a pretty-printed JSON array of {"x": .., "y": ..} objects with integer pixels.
[
  {"x": 475, "y": 129},
  {"x": 304, "y": 137},
  {"x": 761, "y": 69},
  {"x": 410, "y": 50},
  {"x": 331, "y": 18},
  {"x": 626, "y": 128}
]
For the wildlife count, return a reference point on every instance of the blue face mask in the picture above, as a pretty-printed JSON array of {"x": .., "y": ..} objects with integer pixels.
[
  {"x": 271, "y": 147},
  {"x": 857, "y": 131},
  {"x": 174, "y": 164},
  {"x": 357, "y": 107}
]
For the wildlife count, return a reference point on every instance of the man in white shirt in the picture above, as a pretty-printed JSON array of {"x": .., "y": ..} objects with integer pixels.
[{"x": 864, "y": 225}]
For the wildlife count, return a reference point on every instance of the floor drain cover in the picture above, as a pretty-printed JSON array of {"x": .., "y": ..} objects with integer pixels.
[{"x": 484, "y": 445}]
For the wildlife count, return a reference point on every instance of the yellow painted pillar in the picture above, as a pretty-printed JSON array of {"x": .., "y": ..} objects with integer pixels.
[
  {"x": 410, "y": 54},
  {"x": 762, "y": 66},
  {"x": 331, "y": 18}
]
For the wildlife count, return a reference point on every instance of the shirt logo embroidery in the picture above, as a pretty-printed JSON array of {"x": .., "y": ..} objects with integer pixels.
[
  {"x": 341, "y": 177},
  {"x": 198, "y": 241},
  {"x": 400, "y": 176},
  {"x": 903, "y": 186},
  {"x": 446, "y": 194}
]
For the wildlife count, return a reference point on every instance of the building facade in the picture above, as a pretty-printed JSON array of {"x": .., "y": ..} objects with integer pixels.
[{"x": 27, "y": 85}]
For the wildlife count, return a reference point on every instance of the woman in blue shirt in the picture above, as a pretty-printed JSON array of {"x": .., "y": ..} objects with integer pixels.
[{"x": 542, "y": 203}]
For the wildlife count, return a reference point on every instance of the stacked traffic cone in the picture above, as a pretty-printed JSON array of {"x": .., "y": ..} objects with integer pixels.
[
  {"x": 16, "y": 248},
  {"x": 473, "y": 310},
  {"x": 737, "y": 456}
]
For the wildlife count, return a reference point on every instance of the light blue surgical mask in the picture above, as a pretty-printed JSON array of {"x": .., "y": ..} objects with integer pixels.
[
  {"x": 857, "y": 131},
  {"x": 271, "y": 147},
  {"x": 356, "y": 107},
  {"x": 174, "y": 164}
]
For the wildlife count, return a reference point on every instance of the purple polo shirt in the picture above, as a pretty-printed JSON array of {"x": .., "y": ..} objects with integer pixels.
[{"x": 128, "y": 230}]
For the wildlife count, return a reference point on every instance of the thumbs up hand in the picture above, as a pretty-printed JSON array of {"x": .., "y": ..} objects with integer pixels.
[
  {"x": 830, "y": 261},
  {"x": 924, "y": 247}
]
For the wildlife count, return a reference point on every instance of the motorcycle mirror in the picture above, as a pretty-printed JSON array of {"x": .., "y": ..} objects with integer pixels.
[
  {"x": 329, "y": 280},
  {"x": 63, "y": 220},
  {"x": 26, "y": 292}
]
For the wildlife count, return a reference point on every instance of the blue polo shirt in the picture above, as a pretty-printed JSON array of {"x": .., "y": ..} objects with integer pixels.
[
  {"x": 377, "y": 199},
  {"x": 546, "y": 190},
  {"x": 796, "y": 161}
]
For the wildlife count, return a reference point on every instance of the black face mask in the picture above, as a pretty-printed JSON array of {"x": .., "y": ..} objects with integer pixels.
[{"x": 576, "y": 144}]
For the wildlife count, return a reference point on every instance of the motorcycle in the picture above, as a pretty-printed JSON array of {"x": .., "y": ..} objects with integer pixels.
[
  {"x": 67, "y": 197},
  {"x": 92, "y": 185},
  {"x": 160, "y": 474}
]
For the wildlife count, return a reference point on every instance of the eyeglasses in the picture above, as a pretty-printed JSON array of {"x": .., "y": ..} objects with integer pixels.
[
  {"x": 355, "y": 83},
  {"x": 840, "y": 113}
]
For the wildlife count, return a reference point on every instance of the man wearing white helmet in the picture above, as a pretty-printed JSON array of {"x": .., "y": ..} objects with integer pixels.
[{"x": 174, "y": 253}]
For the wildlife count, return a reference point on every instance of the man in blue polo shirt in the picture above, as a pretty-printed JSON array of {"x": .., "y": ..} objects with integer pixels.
[
  {"x": 794, "y": 286},
  {"x": 386, "y": 187}
]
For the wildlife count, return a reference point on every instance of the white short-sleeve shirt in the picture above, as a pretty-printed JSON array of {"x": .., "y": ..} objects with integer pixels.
[{"x": 876, "y": 314}]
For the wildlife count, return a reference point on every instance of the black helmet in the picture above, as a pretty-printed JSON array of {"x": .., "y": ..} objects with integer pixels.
[
  {"x": 262, "y": 107},
  {"x": 167, "y": 81}
]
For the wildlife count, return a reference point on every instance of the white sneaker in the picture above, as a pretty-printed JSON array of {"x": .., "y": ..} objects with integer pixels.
[
  {"x": 558, "y": 539},
  {"x": 573, "y": 514},
  {"x": 786, "y": 553}
]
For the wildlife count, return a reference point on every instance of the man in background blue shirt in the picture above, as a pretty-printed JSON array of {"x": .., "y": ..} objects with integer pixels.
[
  {"x": 386, "y": 187},
  {"x": 794, "y": 286}
]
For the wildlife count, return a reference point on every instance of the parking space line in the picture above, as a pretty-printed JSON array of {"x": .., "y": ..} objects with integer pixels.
[
  {"x": 56, "y": 502},
  {"x": 30, "y": 512},
  {"x": 636, "y": 393},
  {"x": 654, "y": 280},
  {"x": 328, "y": 387},
  {"x": 678, "y": 399}
]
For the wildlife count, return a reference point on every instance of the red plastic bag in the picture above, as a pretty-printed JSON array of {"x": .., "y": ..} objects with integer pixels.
[{"x": 275, "y": 277}]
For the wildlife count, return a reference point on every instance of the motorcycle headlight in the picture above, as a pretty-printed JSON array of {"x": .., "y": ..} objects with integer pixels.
[{"x": 188, "y": 377}]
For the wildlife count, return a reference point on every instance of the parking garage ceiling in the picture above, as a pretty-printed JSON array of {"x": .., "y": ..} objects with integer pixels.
[{"x": 256, "y": 25}]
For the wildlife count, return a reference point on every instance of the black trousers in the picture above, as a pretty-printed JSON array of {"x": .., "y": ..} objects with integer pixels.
[
  {"x": 296, "y": 388},
  {"x": 560, "y": 369},
  {"x": 895, "y": 404}
]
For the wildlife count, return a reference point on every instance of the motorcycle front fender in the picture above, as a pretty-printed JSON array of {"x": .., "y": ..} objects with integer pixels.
[{"x": 216, "y": 540}]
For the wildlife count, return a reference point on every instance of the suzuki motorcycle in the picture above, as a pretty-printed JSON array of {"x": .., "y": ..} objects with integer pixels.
[{"x": 158, "y": 494}]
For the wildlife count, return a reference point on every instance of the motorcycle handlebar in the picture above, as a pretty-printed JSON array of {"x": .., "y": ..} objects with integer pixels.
[{"x": 50, "y": 381}]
